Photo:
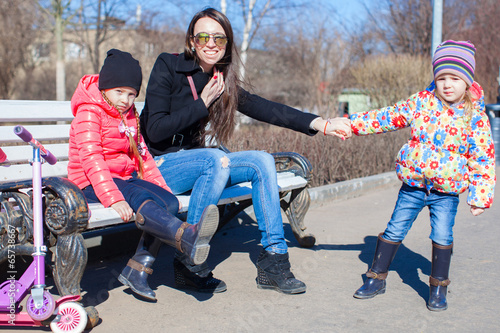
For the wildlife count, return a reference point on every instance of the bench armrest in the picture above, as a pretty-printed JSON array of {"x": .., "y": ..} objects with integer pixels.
[{"x": 66, "y": 207}]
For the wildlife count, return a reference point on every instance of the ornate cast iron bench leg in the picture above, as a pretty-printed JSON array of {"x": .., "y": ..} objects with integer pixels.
[
  {"x": 66, "y": 216},
  {"x": 298, "y": 204},
  {"x": 295, "y": 211}
]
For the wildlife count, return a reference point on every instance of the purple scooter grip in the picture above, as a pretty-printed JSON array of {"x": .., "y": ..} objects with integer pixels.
[
  {"x": 26, "y": 136},
  {"x": 51, "y": 159},
  {"x": 23, "y": 133}
]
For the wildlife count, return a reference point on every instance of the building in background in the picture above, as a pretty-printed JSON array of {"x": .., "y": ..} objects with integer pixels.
[{"x": 352, "y": 101}]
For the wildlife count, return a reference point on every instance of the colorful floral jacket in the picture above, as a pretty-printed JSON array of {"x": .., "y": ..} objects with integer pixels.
[{"x": 444, "y": 152}]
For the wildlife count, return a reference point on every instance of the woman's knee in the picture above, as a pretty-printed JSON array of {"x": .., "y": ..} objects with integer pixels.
[
  {"x": 214, "y": 159},
  {"x": 262, "y": 160}
]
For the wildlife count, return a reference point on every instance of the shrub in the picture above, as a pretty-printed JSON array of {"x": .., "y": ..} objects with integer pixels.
[{"x": 332, "y": 159}]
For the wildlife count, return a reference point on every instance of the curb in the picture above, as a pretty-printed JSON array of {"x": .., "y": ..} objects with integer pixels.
[{"x": 352, "y": 188}]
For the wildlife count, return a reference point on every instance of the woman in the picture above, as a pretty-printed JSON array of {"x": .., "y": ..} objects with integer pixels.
[{"x": 175, "y": 122}]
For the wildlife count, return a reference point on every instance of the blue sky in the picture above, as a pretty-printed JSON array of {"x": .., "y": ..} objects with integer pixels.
[{"x": 349, "y": 11}]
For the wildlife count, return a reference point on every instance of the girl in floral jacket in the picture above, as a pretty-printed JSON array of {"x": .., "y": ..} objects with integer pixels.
[
  {"x": 450, "y": 150},
  {"x": 110, "y": 162}
]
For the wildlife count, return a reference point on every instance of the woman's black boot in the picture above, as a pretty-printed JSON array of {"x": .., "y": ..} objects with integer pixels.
[
  {"x": 191, "y": 239},
  {"x": 438, "y": 280},
  {"x": 197, "y": 277},
  {"x": 376, "y": 275},
  {"x": 273, "y": 272},
  {"x": 135, "y": 274}
]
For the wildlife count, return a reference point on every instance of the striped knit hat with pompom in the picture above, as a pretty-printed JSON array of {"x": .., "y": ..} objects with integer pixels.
[{"x": 457, "y": 58}]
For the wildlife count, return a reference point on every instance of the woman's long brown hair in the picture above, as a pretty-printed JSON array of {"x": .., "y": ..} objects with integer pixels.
[{"x": 222, "y": 112}]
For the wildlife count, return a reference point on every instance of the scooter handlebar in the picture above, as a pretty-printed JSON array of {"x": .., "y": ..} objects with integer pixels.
[
  {"x": 26, "y": 136},
  {"x": 23, "y": 133},
  {"x": 51, "y": 159}
]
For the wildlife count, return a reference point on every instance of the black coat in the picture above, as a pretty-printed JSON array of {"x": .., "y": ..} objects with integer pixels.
[{"x": 170, "y": 109}]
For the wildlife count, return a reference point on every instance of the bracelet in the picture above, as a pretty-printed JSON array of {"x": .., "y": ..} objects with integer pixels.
[{"x": 326, "y": 124}]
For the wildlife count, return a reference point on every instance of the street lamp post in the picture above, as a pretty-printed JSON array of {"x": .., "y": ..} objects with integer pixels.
[{"x": 437, "y": 24}]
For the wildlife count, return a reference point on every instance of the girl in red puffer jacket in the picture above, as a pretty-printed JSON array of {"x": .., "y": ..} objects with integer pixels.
[{"x": 109, "y": 161}]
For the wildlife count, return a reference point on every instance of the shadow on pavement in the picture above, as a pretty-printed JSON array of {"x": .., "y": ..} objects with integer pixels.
[{"x": 406, "y": 262}]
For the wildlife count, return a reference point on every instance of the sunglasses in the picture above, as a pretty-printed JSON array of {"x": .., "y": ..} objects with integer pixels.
[{"x": 202, "y": 39}]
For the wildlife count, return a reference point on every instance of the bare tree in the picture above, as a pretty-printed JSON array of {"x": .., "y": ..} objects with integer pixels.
[
  {"x": 97, "y": 23},
  {"x": 59, "y": 14},
  {"x": 304, "y": 63},
  {"x": 402, "y": 25},
  {"x": 223, "y": 6},
  {"x": 405, "y": 26},
  {"x": 484, "y": 31},
  {"x": 18, "y": 32},
  {"x": 153, "y": 37},
  {"x": 254, "y": 14}
]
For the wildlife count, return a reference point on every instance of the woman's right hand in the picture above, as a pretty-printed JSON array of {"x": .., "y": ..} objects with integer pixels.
[
  {"x": 340, "y": 127},
  {"x": 123, "y": 209},
  {"x": 213, "y": 89}
]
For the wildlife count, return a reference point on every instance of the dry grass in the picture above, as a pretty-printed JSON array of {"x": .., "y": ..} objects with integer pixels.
[{"x": 333, "y": 160}]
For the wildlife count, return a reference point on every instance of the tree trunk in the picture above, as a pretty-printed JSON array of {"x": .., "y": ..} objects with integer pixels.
[
  {"x": 246, "y": 37},
  {"x": 223, "y": 6},
  {"x": 60, "y": 72}
]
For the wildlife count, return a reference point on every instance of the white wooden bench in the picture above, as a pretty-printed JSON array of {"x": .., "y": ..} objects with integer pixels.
[{"x": 67, "y": 216}]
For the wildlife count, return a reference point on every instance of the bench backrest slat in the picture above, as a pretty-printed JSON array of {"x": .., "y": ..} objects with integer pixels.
[
  {"x": 32, "y": 111},
  {"x": 39, "y": 132},
  {"x": 22, "y": 154},
  {"x": 24, "y": 171}
]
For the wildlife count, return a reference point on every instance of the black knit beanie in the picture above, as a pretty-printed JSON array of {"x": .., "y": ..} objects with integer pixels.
[{"x": 120, "y": 69}]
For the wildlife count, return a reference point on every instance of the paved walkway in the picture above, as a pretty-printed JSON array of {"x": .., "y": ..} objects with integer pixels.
[{"x": 346, "y": 231}]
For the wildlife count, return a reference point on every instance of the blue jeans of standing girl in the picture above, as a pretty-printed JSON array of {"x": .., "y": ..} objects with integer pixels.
[
  {"x": 136, "y": 191},
  {"x": 411, "y": 200},
  {"x": 207, "y": 172}
]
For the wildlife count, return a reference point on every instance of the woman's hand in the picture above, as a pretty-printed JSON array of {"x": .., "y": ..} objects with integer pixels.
[
  {"x": 339, "y": 127},
  {"x": 476, "y": 210},
  {"x": 123, "y": 209},
  {"x": 213, "y": 89}
]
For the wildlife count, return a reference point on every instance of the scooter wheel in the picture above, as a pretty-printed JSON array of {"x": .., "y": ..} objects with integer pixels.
[
  {"x": 71, "y": 317},
  {"x": 45, "y": 311}
]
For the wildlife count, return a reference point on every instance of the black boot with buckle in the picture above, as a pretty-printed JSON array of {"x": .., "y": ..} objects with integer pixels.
[
  {"x": 197, "y": 277},
  {"x": 438, "y": 280},
  {"x": 135, "y": 274},
  {"x": 273, "y": 272},
  {"x": 376, "y": 275},
  {"x": 191, "y": 239}
]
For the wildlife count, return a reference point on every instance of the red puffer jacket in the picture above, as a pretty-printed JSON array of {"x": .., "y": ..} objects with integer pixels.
[{"x": 98, "y": 151}]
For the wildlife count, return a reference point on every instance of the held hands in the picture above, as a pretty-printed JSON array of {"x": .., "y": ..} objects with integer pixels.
[
  {"x": 339, "y": 127},
  {"x": 123, "y": 209},
  {"x": 213, "y": 89},
  {"x": 476, "y": 210}
]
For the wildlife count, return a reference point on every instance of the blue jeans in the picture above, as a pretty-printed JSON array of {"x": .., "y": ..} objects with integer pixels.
[
  {"x": 411, "y": 200},
  {"x": 136, "y": 191},
  {"x": 207, "y": 173}
]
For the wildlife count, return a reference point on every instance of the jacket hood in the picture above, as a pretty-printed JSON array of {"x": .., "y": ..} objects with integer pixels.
[{"x": 87, "y": 93}]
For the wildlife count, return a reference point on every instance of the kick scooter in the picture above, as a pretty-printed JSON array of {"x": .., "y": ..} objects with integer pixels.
[{"x": 41, "y": 309}]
